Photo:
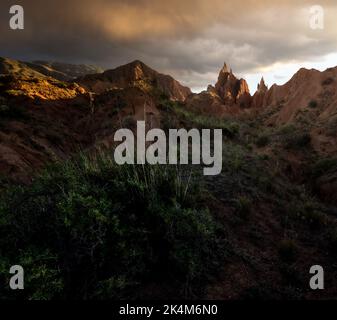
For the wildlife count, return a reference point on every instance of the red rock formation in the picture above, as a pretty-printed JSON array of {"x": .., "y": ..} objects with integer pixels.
[
  {"x": 229, "y": 95},
  {"x": 258, "y": 98},
  {"x": 305, "y": 88},
  {"x": 135, "y": 74},
  {"x": 232, "y": 90}
]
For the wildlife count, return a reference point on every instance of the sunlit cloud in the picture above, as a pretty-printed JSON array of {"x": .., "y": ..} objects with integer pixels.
[{"x": 189, "y": 39}]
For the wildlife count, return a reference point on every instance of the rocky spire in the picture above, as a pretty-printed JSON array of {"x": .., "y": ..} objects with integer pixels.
[
  {"x": 261, "y": 87},
  {"x": 260, "y": 94},
  {"x": 230, "y": 89},
  {"x": 225, "y": 69}
]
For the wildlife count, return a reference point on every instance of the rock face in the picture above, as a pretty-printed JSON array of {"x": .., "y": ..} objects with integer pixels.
[
  {"x": 139, "y": 74},
  {"x": 43, "y": 118},
  {"x": 306, "y": 90},
  {"x": 259, "y": 96},
  {"x": 229, "y": 95},
  {"x": 308, "y": 99},
  {"x": 232, "y": 90},
  {"x": 261, "y": 87}
]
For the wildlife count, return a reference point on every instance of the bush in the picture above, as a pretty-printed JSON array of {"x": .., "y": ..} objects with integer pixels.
[
  {"x": 286, "y": 129},
  {"x": 313, "y": 104},
  {"x": 97, "y": 230},
  {"x": 178, "y": 113},
  {"x": 262, "y": 141},
  {"x": 297, "y": 140}
]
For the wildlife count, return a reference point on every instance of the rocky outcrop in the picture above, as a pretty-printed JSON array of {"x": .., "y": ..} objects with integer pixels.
[
  {"x": 306, "y": 90},
  {"x": 137, "y": 74},
  {"x": 243, "y": 97},
  {"x": 228, "y": 96},
  {"x": 232, "y": 90},
  {"x": 259, "y": 95},
  {"x": 207, "y": 102}
]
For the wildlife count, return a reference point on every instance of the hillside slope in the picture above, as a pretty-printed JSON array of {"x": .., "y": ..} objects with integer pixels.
[
  {"x": 135, "y": 73},
  {"x": 252, "y": 232}
]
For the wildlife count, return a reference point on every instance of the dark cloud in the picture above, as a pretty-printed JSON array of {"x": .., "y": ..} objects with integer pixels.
[{"x": 189, "y": 39}]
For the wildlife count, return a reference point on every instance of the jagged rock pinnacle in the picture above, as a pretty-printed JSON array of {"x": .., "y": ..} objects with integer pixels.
[
  {"x": 232, "y": 90},
  {"x": 262, "y": 85},
  {"x": 226, "y": 69}
]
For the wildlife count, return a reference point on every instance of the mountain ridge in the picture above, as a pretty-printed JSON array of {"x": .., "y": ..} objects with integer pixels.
[
  {"x": 130, "y": 73},
  {"x": 136, "y": 91}
]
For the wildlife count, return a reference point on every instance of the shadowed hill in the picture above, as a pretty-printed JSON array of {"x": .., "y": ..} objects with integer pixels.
[{"x": 135, "y": 73}]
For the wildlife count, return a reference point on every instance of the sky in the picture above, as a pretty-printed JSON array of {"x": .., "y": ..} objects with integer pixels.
[{"x": 188, "y": 39}]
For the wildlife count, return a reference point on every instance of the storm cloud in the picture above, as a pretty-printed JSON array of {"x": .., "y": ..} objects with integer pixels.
[{"x": 189, "y": 39}]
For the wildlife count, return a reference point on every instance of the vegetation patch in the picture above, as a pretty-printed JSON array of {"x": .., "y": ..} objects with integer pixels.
[
  {"x": 313, "y": 104},
  {"x": 176, "y": 112},
  {"x": 323, "y": 166},
  {"x": 263, "y": 141},
  {"x": 298, "y": 140},
  {"x": 108, "y": 231}
]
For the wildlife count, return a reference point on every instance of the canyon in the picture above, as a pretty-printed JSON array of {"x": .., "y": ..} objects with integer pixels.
[{"x": 273, "y": 204}]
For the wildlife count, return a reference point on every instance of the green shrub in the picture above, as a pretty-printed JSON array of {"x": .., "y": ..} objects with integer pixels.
[
  {"x": 286, "y": 129},
  {"x": 97, "y": 230},
  {"x": 313, "y": 104}
]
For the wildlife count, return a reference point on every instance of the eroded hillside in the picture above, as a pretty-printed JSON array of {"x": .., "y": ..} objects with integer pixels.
[{"x": 251, "y": 232}]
